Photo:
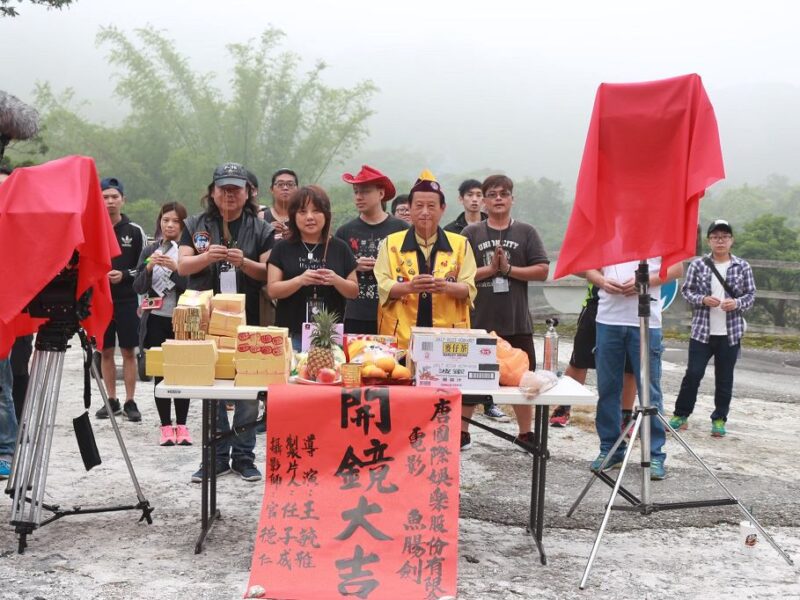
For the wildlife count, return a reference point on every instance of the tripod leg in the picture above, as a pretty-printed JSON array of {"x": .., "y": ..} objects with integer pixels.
[
  {"x": 610, "y": 504},
  {"x": 99, "y": 380},
  {"x": 33, "y": 443},
  {"x": 46, "y": 433},
  {"x": 746, "y": 513},
  {"x": 593, "y": 477}
]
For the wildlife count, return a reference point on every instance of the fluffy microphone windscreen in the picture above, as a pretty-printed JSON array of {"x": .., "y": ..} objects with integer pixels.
[{"x": 18, "y": 121}]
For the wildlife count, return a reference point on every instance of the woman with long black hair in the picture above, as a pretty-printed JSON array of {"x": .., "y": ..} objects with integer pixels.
[{"x": 157, "y": 279}]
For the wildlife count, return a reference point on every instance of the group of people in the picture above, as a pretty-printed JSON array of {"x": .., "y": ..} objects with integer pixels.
[
  {"x": 718, "y": 286},
  {"x": 386, "y": 271}
]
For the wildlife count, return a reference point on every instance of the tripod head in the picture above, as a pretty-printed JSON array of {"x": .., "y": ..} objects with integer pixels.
[
  {"x": 56, "y": 302},
  {"x": 643, "y": 288}
]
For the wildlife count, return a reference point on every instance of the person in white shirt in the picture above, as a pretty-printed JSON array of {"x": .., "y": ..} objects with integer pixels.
[{"x": 618, "y": 337}]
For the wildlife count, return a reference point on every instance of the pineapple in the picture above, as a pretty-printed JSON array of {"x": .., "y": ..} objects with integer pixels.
[{"x": 320, "y": 355}]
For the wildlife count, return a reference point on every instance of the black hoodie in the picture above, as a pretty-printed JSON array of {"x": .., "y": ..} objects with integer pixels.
[{"x": 132, "y": 240}]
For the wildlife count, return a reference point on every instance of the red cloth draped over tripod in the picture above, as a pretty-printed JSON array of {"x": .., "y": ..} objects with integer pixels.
[
  {"x": 651, "y": 151},
  {"x": 46, "y": 213}
]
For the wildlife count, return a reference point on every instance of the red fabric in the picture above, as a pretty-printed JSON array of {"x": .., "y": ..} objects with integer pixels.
[
  {"x": 47, "y": 212},
  {"x": 651, "y": 152}
]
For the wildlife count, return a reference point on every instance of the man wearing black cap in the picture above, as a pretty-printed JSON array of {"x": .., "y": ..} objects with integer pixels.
[
  {"x": 426, "y": 276},
  {"x": 225, "y": 249},
  {"x": 720, "y": 287},
  {"x": 125, "y": 323}
]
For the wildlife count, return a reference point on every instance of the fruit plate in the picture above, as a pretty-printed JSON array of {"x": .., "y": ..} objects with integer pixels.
[
  {"x": 302, "y": 381},
  {"x": 385, "y": 381}
]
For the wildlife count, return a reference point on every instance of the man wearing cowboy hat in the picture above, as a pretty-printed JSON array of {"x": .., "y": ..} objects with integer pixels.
[
  {"x": 371, "y": 191},
  {"x": 426, "y": 276}
]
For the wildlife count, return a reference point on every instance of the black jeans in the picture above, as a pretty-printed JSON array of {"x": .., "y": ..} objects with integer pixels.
[{"x": 725, "y": 357}]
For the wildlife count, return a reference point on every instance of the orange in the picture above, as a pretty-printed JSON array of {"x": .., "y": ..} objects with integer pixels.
[
  {"x": 401, "y": 372},
  {"x": 387, "y": 363},
  {"x": 373, "y": 371}
]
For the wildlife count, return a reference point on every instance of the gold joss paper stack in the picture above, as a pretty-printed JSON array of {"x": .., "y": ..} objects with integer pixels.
[
  {"x": 263, "y": 356},
  {"x": 189, "y": 362},
  {"x": 213, "y": 341}
]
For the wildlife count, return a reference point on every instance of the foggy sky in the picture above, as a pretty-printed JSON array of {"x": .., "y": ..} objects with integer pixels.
[{"x": 467, "y": 85}]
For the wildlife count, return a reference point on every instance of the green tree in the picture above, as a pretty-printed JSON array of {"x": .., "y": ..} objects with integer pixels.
[
  {"x": 181, "y": 126},
  {"x": 541, "y": 202},
  {"x": 7, "y": 10},
  {"x": 768, "y": 237}
]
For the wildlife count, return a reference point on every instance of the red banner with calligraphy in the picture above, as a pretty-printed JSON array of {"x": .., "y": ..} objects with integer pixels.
[{"x": 361, "y": 494}]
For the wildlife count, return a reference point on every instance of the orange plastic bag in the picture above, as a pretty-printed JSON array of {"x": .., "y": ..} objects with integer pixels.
[{"x": 513, "y": 362}]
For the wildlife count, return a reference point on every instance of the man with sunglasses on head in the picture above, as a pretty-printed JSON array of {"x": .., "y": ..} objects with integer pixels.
[{"x": 720, "y": 287}]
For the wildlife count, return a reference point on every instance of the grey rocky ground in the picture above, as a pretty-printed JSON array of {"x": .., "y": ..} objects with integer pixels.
[{"x": 675, "y": 554}]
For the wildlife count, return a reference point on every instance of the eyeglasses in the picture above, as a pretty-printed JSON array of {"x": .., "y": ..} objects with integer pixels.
[
  {"x": 719, "y": 238},
  {"x": 285, "y": 185},
  {"x": 402, "y": 210},
  {"x": 505, "y": 195}
]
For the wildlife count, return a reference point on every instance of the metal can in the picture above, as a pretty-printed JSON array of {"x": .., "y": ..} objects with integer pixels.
[{"x": 351, "y": 375}]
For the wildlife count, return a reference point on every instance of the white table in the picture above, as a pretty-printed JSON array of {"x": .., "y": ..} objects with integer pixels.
[{"x": 566, "y": 392}]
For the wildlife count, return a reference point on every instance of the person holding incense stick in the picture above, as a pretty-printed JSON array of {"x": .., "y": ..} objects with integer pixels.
[
  {"x": 426, "y": 276},
  {"x": 308, "y": 269},
  {"x": 225, "y": 248}
]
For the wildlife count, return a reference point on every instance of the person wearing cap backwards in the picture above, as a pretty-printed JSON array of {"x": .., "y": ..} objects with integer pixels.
[
  {"x": 225, "y": 249},
  {"x": 717, "y": 324},
  {"x": 371, "y": 191},
  {"x": 426, "y": 276},
  {"x": 125, "y": 323}
]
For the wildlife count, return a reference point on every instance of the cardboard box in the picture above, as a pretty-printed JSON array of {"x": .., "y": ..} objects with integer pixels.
[
  {"x": 213, "y": 338},
  {"x": 225, "y": 323},
  {"x": 473, "y": 376},
  {"x": 189, "y": 352},
  {"x": 452, "y": 346},
  {"x": 188, "y": 374},
  {"x": 232, "y": 303},
  {"x": 154, "y": 362},
  {"x": 224, "y": 371}
]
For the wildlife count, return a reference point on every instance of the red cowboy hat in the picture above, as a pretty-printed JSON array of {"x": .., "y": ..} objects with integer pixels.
[{"x": 369, "y": 175}]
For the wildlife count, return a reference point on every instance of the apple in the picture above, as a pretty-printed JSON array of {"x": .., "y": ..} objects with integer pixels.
[
  {"x": 302, "y": 372},
  {"x": 326, "y": 375}
]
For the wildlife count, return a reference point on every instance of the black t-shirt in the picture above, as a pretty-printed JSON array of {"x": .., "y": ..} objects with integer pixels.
[
  {"x": 364, "y": 239},
  {"x": 506, "y": 312},
  {"x": 292, "y": 258}
]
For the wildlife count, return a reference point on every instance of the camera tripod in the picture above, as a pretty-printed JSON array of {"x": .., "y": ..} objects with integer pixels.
[
  {"x": 35, "y": 436},
  {"x": 640, "y": 428}
]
